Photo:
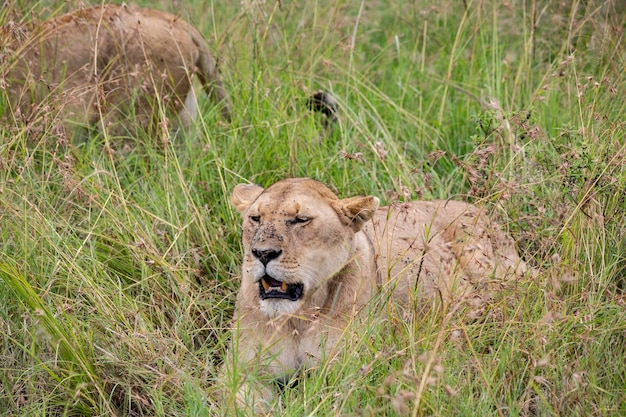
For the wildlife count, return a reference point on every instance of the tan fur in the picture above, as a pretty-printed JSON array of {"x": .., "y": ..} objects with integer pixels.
[
  {"x": 422, "y": 253},
  {"x": 112, "y": 61}
]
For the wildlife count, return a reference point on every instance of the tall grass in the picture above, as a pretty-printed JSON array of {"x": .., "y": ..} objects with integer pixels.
[{"x": 119, "y": 265}]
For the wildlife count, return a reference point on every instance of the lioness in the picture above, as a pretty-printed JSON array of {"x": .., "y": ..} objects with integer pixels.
[
  {"x": 312, "y": 261},
  {"x": 111, "y": 61}
]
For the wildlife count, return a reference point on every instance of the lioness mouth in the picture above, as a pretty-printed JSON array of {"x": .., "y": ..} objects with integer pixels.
[{"x": 273, "y": 288}]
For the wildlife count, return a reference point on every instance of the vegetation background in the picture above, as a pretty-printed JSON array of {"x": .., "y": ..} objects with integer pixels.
[{"x": 119, "y": 265}]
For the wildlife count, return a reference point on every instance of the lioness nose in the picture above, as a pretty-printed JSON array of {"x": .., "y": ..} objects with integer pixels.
[{"x": 266, "y": 255}]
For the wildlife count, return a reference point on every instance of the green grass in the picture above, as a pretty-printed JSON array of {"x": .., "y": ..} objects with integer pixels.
[{"x": 118, "y": 268}]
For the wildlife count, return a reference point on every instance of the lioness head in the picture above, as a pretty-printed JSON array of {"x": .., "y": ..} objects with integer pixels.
[{"x": 296, "y": 235}]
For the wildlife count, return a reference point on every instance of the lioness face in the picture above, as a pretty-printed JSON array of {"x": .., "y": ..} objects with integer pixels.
[{"x": 288, "y": 233}]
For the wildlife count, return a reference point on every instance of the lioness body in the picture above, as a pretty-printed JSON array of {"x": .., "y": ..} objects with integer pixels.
[
  {"x": 111, "y": 61},
  {"x": 312, "y": 261},
  {"x": 447, "y": 250}
]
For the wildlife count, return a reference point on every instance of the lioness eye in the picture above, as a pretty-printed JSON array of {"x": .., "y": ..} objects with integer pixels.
[
  {"x": 299, "y": 220},
  {"x": 255, "y": 219}
]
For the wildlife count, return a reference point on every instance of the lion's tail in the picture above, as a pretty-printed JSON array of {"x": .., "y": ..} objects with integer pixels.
[{"x": 210, "y": 77}]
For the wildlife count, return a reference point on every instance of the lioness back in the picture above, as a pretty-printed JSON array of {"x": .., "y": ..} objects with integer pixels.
[
  {"x": 112, "y": 61},
  {"x": 440, "y": 251}
]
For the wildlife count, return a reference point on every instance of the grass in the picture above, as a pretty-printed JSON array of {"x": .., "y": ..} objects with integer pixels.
[{"x": 118, "y": 268}]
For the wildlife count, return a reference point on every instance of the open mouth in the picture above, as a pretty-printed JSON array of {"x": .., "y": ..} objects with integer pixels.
[{"x": 273, "y": 288}]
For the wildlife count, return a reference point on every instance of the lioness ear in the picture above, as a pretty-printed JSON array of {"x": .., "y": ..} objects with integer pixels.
[
  {"x": 244, "y": 195},
  {"x": 358, "y": 210}
]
